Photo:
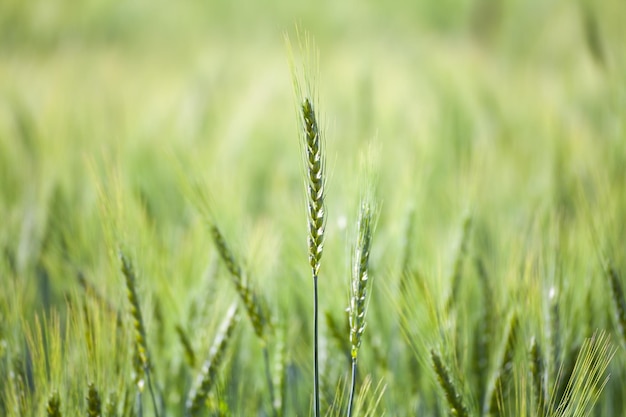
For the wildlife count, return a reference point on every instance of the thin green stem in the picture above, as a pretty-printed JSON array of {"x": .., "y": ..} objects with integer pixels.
[
  {"x": 352, "y": 388},
  {"x": 316, "y": 380}
]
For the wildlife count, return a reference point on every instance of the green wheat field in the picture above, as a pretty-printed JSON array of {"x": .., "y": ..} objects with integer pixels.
[{"x": 312, "y": 208}]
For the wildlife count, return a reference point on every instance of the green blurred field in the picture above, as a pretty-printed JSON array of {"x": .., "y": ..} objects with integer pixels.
[{"x": 116, "y": 116}]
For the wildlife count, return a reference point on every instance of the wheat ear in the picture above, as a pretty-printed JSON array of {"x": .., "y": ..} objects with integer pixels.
[
  {"x": 358, "y": 289},
  {"x": 251, "y": 301},
  {"x": 141, "y": 346},
  {"x": 198, "y": 395},
  {"x": 450, "y": 390}
]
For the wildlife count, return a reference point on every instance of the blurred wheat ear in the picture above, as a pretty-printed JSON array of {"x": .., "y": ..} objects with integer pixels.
[
  {"x": 359, "y": 286},
  {"x": 208, "y": 375},
  {"x": 450, "y": 389},
  {"x": 142, "y": 356}
]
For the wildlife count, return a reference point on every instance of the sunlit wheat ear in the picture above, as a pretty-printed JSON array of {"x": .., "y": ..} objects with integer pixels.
[
  {"x": 208, "y": 375},
  {"x": 251, "y": 301},
  {"x": 53, "y": 408},
  {"x": 315, "y": 185},
  {"x": 450, "y": 390},
  {"x": 619, "y": 303},
  {"x": 537, "y": 370},
  {"x": 94, "y": 405}
]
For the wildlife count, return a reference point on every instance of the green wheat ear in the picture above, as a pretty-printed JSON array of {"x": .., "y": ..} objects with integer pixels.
[
  {"x": 141, "y": 357},
  {"x": 208, "y": 375},
  {"x": 54, "y": 405},
  {"x": 450, "y": 390},
  {"x": 251, "y": 301},
  {"x": 315, "y": 170},
  {"x": 359, "y": 285},
  {"x": 360, "y": 277},
  {"x": 135, "y": 310}
]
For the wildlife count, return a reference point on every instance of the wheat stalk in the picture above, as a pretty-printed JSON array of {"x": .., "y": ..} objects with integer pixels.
[
  {"x": 315, "y": 189},
  {"x": 312, "y": 143}
]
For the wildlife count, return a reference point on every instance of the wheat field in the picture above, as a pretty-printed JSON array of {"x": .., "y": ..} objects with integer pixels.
[{"x": 397, "y": 208}]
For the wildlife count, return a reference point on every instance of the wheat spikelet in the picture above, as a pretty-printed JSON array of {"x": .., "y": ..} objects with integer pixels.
[
  {"x": 315, "y": 185},
  {"x": 251, "y": 301},
  {"x": 360, "y": 278},
  {"x": 135, "y": 310},
  {"x": 358, "y": 288},
  {"x": 451, "y": 392},
  {"x": 198, "y": 395},
  {"x": 94, "y": 405},
  {"x": 54, "y": 405}
]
